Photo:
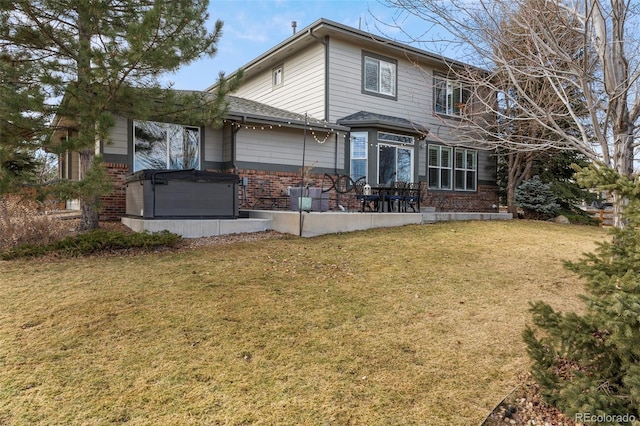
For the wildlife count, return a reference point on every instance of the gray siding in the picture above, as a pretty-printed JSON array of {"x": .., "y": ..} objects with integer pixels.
[
  {"x": 284, "y": 147},
  {"x": 303, "y": 87},
  {"x": 117, "y": 144},
  {"x": 345, "y": 86},
  {"x": 486, "y": 166},
  {"x": 213, "y": 145}
]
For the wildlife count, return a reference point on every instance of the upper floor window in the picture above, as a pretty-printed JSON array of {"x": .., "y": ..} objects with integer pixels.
[
  {"x": 379, "y": 75},
  {"x": 449, "y": 96},
  {"x": 165, "y": 146},
  {"x": 278, "y": 76}
]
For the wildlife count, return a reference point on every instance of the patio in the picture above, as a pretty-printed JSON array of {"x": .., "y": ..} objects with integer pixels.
[{"x": 305, "y": 224}]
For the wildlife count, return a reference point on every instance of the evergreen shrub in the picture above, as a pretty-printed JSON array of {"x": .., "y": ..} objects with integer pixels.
[
  {"x": 589, "y": 364},
  {"x": 536, "y": 199}
]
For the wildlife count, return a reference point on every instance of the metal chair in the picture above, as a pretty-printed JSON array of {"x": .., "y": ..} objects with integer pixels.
[
  {"x": 369, "y": 201},
  {"x": 396, "y": 196},
  {"x": 413, "y": 193}
]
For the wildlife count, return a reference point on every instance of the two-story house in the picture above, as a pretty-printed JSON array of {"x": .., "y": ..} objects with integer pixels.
[{"x": 332, "y": 99}]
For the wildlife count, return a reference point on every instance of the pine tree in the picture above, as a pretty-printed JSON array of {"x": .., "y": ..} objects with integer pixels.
[
  {"x": 106, "y": 56},
  {"x": 536, "y": 199},
  {"x": 21, "y": 121},
  {"x": 590, "y": 362}
]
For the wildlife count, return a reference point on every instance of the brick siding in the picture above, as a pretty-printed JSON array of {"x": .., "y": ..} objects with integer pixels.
[
  {"x": 271, "y": 184},
  {"x": 114, "y": 206}
]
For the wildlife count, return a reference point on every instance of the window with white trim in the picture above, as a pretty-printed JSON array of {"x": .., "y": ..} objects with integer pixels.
[
  {"x": 358, "y": 155},
  {"x": 165, "y": 146},
  {"x": 379, "y": 75},
  {"x": 440, "y": 167},
  {"x": 278, "y": 76},
  {"x": 466, "y": 169},
  {"x": 449, "y": 96}
]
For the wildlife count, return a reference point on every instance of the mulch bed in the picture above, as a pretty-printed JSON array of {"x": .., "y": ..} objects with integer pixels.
[{"x": 524, "y": 406}]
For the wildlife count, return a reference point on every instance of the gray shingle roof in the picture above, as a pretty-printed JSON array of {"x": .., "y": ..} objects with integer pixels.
[
  {"x": 246, "y": 107},
  {"x": 365, "y": 118}
]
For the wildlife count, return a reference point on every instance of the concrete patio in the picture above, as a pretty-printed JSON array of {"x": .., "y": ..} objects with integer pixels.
[{"x": 291, "y": 222}]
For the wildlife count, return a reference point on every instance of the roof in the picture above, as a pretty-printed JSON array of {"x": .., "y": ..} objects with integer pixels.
[
  {"x": 245, "y": 109},
  {"x": 365, "y": 118},
  {"x": 315, "y": 32}
]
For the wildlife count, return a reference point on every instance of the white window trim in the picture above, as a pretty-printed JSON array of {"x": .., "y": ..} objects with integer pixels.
[
  {"x": 382, "y": 64},
  {"x": 397, "y": 147},
  {"x": 168, "y": 145},
  {"x": 440, "y": 167},
  {"x": 449, "y": 86},
  {"x": 277, "y": 76},
  {"x": 354, "y": 136},
  {"x": 395, "y": 138},
  {"x": 466, "y": 170}
]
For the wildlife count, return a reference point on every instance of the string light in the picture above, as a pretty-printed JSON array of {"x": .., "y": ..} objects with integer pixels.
[{"x": 317, "y": 137}]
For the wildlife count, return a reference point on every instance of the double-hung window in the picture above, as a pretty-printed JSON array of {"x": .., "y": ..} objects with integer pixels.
[
  {"x": 379, "y": 75},
  {"x": 165, "y": 146},
  {"x": 358, "y": 165},
  {"x": 449, "y": 96},
  {"x": 440, "y": 164},
  {"x": 466, "y": 169}
]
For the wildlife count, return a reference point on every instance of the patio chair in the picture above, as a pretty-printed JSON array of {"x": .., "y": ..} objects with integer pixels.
[
  {"x": 368, "y": 201},
  {"x": 412, "y": 195},
  {"x": 396, "y": 196}
]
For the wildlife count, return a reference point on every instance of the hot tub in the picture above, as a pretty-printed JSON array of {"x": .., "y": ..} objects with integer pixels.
[{"x": 182, "y": 194}]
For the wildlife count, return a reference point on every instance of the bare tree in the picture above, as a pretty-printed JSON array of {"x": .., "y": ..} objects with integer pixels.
[{"x": 585, "y": 59}]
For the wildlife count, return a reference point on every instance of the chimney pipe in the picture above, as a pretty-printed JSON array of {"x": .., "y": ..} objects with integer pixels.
[{"x": 294, "y": 24}]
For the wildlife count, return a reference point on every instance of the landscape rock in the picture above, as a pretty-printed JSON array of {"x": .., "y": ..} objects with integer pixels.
[{"x": 561, "y": 219}]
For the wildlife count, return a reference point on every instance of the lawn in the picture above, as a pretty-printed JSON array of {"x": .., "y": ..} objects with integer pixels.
[{"x": 413, "y": 325}]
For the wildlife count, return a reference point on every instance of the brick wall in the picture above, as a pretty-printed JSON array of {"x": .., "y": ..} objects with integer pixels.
[
  {"x": 455, "y": 201},
  {"x": 261, "y": 184},
  {"x": 114, "y": 205},
  {"x": 275, "y": 184}
]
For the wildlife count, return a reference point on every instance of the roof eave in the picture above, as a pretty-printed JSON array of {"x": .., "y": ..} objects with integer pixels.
[{"x": 382, "y": 124}]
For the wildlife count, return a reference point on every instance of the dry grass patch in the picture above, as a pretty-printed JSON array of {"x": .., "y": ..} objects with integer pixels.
[
  {"x": 23, "y": 221},
  {"x": 412, "y": 325}
]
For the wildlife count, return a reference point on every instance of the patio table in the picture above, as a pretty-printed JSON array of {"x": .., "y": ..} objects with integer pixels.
[{"x": 381, "y": 190}]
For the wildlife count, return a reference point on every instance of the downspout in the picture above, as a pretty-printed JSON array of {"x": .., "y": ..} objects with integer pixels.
[{"x": 325, "y": 43}]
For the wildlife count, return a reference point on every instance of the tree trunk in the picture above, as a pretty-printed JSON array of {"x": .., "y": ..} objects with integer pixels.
[
  {"x": 87, "y": 121},
  {"x": 519, "y": 164},
  {"x": 88, "y": 203},
  {"x": 623, "y": 165}
]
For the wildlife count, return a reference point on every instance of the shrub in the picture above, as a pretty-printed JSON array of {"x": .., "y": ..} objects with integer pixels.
[
  {"x": 536, "y": 199},
  {"x": 589, "y": 363},
  {"x": 24, "y": 221},
  {"x": 96, "y": 241}
]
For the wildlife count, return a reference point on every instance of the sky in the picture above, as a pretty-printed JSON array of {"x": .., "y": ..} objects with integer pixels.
[{"x": 252, "y": 27}]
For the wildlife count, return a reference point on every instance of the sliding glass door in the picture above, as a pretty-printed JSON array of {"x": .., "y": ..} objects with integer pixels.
[{"x": 395, "y": 164}]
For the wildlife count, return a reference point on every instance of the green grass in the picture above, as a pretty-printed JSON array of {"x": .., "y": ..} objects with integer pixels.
[{"x": 412, "y": 325}]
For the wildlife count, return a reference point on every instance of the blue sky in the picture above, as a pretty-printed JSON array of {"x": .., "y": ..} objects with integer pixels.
[{"x": 251, "y": 27}]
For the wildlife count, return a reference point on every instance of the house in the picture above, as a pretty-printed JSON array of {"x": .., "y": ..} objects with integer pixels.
[{"x": 330, "y": 99}]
